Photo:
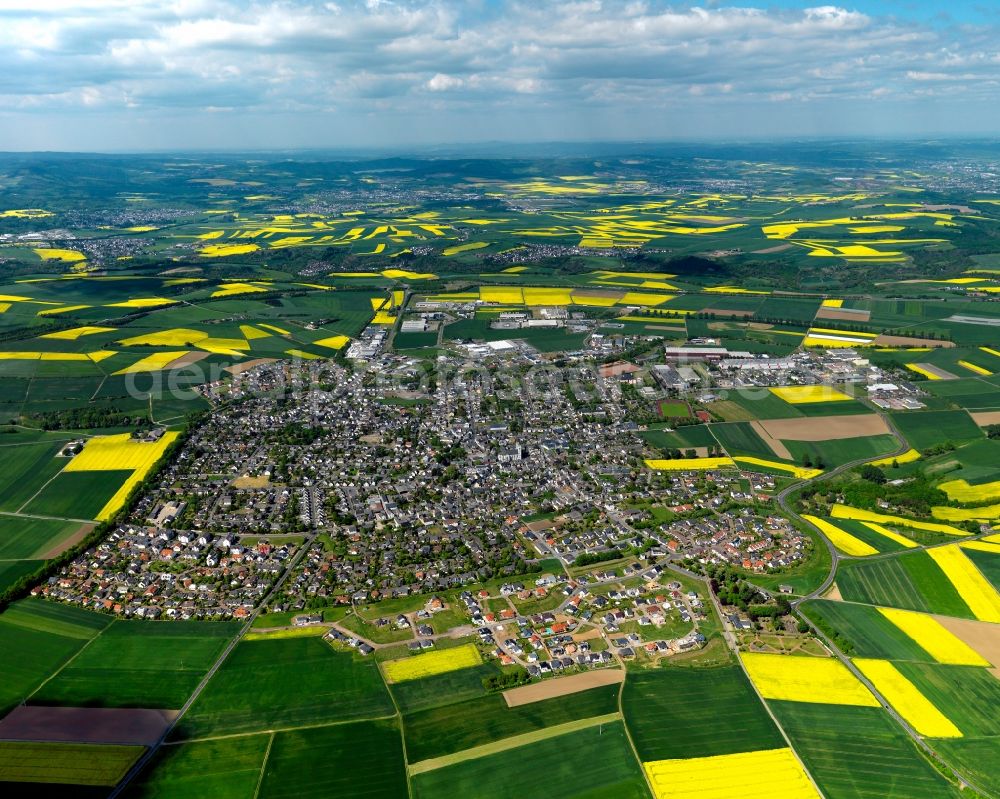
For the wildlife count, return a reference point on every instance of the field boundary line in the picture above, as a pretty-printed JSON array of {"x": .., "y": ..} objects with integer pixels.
[
  {"x": 628, "y": 737},
  {"x": 59, "y": 671},
  {"x": 505, "y": 744},
  {"x": 276, "y": 730},
  {"x": 18, "y": 515},
  {"x": 263, "y": 766},
  {"x": 40, "y": 490}
]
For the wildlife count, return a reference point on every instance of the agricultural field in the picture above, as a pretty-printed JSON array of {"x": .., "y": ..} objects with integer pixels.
[
  {"x": 666, "y": 711},
  {"x": 285, "y": 683},
  {"x": 139, "y": 664},
  {"x": 859, "y": 753},
  {"x": 228, "y": 768},
  {"x": 36, "y": 640},
  {"x": 910, "y": 581},
  {"x": 66, "y": 764},
  {"x": 205, "y": 267},
  {"x": 363, "y": 758},
  {"x": 594, "y": 762},
  {"x": 440, "y": 731}
]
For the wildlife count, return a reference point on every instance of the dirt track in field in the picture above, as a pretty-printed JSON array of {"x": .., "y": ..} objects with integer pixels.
[
  {"x": 825, "y": 428},
  {"x": 980, "y": 635},
  {"x": 562, "y": 686},
  {"x": 777, "y": 447},
  {"x": 186, "y": 360},
  {"x": 97, "y": 725},
  {"x": 62, "y": 546}
]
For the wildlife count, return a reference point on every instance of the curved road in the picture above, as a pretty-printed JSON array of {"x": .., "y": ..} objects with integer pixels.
[{"x": 835, "y": 558}]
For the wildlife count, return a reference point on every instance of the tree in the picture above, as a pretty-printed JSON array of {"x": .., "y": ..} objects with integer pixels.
[{"x": 873, "y": 474}]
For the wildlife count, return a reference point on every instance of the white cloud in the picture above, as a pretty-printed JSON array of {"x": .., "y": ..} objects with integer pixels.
[{"x": 538, "y": 57}]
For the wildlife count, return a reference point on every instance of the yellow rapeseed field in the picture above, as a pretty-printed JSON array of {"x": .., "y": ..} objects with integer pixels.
[
  {"x": 939, "y": 642},
  {"x": 907, "y": 457},
  {"x": 430, "y": 663},
  {"x": 800, "y": 395},
  {"x": 906, "y": 699},
  {"x": 333, "y": 342},
  {"x": 406, "y": 274},
  {"x": 174, "y": 337},
  {"x": 824, "y": 681},
  {"x": 890, "y": 534},
  {"x": 76, "y": 332},
  {"x": 847, "y": 512},
  {"x": 685, "y": 464},
  {"x": 142, "y": 302},
  {"x": 120, "y": 452},
  {"x": 232, "y": 289},
  {"x": 222, "y": 250},
  {"x": 832, "y": 303},
  {"x": 547, "y": 296},
  {"x": 981, "y": 597},
  {"x": 644, "y": 298},
  {"x": 507, "y": 296},
  {"x": 306, "y": 356},
  {"x": 100, "y": 355},
  {"x": 152, "y": 363},
  {"x": 961, "y": 491},
  {"x": 991, "y": 351},
  {"x": 979, "y": 370},
  {"x": 472, "y": 245},
  {"x": 842, "y": 540},
  {"x": 983, "y": 513},
  {"x": 67, "y": 256},
  {"x": 800, "y": 472},
  {"x": 768, "y": 773},
  {"x": 279, "y": 330},
  {"x": 62, "y": 309},
  {"x": 921, "y": 371},
  {"x": 251, "y": 333}
]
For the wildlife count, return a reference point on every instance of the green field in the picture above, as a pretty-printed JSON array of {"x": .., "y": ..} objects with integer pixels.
[
  {"x": 13, "y": 570},
  {"x": 139, "y": 664},
  {"x": 26, "y": 468},
  {"x": 859, "y": 753},
  {"x": 442, "y": 689},
  {"x": 967, "y": 695},
  {"x": 988, "y": 563},
  {"x": 739, "y": 438},
  {"x": 911, "y": 581},
  {"x": 685, "y": 437},
  {"x": 224, "y": 768},
  {"x": 840, "y": 451},
  {"x": 36, "y": 639},
  {"x": 926, "y": 428},
  {"x": 452, "y": 728},
  {"x": 677, "y": 713},
  {"x": 283, "y": 683},
  {"x": 593, "y": 763},
  {"x": 976, "y": 758},
  {"x": 30, "y": 538},
  {"x": 65, "y": 763},
  {"x": 871, "y": 634},
  {"x": 362, "y": 759},
  {"x": 78, "y": 495}
]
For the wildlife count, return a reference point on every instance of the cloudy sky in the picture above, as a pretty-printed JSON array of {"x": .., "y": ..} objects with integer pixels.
[{"x": 155, "y": 74}]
